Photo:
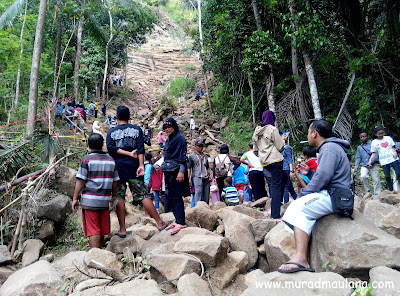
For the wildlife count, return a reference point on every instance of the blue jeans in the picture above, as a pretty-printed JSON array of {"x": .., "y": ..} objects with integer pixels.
[
  {"x": 278, "y": 181},
  {"x": 288, "y": 188},
  {"x": 156, "y": 194},
  {"x": 386, "y": 170}
]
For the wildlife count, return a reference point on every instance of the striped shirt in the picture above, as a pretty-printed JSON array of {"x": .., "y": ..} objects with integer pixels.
[
  {"x": 231, "y": 194},
  {"x": 99, "y": 171}
]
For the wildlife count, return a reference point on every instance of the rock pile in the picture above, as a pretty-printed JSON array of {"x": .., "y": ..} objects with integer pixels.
[{"x": 226, "y": 251}]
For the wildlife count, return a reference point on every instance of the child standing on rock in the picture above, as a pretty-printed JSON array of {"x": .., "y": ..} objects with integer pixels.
[{"x": 96, "y": 182}]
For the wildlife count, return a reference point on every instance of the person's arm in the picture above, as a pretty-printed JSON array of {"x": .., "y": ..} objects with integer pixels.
[
  {"x": 140, "y": 170},
  {"x": 78, "y": 188},
  {"x": 326, "y": 169},
  {"x": 277, "y": 140},
  {"x": 243, "y": 160},
  {"x": 235, "y": 161},
  {"x": 114, "y": 191},
  {"x": 300, "y": 180},
  {"x": 190, "y": 176},
  {"x": 394, "y": 152},
  {"x": 371, "y": 158},
  {"x": 291, "y": 174},
  {"x": 358, "y": 159}
]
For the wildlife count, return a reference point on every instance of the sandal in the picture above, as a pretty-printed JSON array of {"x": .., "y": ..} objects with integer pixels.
[
  {"x": 177, "y": 228},
  {"x": 165, "y": 225},
  {"x": 170, "y": 226}
]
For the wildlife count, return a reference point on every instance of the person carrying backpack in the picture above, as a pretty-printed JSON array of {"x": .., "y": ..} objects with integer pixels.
[{"x": 222, "y": 165}]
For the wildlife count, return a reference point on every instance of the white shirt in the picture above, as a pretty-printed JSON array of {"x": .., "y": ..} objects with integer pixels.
[
  {"x": 384, "y": 149},
  {"x": 251, "y": 158},
  {"x": 192, "y": 125}
]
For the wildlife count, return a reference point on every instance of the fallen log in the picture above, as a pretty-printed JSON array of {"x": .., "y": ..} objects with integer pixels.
[{"x": 21, "y": 179}]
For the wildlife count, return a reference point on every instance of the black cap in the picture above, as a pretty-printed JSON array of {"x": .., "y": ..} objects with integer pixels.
[{"x": 199, "y": 143}]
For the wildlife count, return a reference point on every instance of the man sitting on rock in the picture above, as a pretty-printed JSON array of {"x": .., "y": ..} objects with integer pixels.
[{"x": 314, "y": 200}]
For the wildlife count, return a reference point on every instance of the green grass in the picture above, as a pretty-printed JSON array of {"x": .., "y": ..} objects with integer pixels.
[
  {"x": 238, "y": 136},
  {"x": 181, "y": 86}
]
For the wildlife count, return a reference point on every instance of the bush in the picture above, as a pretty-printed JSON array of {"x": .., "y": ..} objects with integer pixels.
[{"x": 181, "y": 86}]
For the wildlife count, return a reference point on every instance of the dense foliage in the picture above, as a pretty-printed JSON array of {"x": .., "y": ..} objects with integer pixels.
[
  {"x": 341, "y": 38},
  {"x": 131, "y": 21}
]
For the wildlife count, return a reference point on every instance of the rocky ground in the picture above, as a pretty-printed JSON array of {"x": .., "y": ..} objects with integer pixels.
[{"x": 223, "y": 251}]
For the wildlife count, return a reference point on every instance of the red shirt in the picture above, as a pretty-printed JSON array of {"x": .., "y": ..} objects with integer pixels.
[
  {"x": 312, "y": 164},
  {"x": 156, "y": 178}
]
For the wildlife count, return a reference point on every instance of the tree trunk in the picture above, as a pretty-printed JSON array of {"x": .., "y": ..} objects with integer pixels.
[
  {"x": 58, "y": 50},
  {"x": 257, "y": 15},
  {"x": 292, "y": 9},
  {"x": 20, "y": 58},
  {"x": 78, "y": 56},
  {"x": 313, "y": 86},
  {"x": 34, "y": 78},
  {"x": 106, "y": 65},
  {"x": 252, "y": 100},
  {"x": 270, "y": 91},
  {"x": 202, "y": 52}
]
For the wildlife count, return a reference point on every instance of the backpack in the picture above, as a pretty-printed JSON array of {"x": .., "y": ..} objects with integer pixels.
[{"x": 220, "y": 170}]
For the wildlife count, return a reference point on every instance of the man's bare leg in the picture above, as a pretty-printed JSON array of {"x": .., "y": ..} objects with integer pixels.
[
  {"x": 301, "y": 255},
  {"x": 151, "y": 210},
  {"x": 96, "y": 241},
  {"x": 120, "y": 210}
]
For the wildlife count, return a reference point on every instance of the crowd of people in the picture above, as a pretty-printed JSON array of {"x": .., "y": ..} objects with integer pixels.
[{"x": 322, "y": 185}]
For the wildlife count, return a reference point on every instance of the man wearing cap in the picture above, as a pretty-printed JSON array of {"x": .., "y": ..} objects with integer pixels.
[{"x": 199, "y": 169}]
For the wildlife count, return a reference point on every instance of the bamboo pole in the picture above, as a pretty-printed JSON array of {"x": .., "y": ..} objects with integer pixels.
[
  {"x": 30, "y": 184},
  {"x": 24, "y": 214},
  {"x": 16, "y": 233}
]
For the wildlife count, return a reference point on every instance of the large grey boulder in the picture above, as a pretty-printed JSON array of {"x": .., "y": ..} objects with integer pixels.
[
  {"x": 299, "y": 284},
  {"x": 238, "y": 232},
  {"x": 279, "y": 246},
  {"x": 65, "y": 177},
  {"x": 5, "y": 272},
  {"x": 55, "y": 209},
  {"x": 47, "y": 232},
  {"x": 385, "y": 216},
  {"x": 218, "y": 205},
  {"x": 39, "y": 278},
  {"x": 164, "y": 237},
  {"x": 193, "y": 285},
  {"x": 67, "y": 266},
  {"x": 5, "y": 255},
  {"x": 352, "y": 247},
  {"x": 210, "y": 249},
  {"x": 134, "y": 287},
  {"x": 144, "y": 231},
  {"x": 133, "y": 242},
  {"x": 172, "y": 266},
  {"x": 103, "y": 258},
  {"x": 201, "y": 216},
  {"x": 259, "y": 202},
  {"x": 249, "y": 212},
  {"x": 33, "y": 248},
  {"x": 222, "y": 275},
  {"x": 385, "y": 281},
  {"x": 261, "y": 227}
]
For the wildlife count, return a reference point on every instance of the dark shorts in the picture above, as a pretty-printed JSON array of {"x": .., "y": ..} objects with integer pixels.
[
  {"x": 137, "y": 188},
  {"x": 96, "y": 222}
]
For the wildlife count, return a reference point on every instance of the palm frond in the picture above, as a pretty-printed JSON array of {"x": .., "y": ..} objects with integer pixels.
[
  {"x": 11, "y": 12},
  {"x": 11, "y": 160}
]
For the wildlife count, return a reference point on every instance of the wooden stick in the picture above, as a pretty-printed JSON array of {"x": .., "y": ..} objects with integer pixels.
[{"x": 17, "y": 233}]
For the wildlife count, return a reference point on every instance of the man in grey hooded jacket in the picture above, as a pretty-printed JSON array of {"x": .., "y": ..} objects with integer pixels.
[{"x": 333, "y": 172}]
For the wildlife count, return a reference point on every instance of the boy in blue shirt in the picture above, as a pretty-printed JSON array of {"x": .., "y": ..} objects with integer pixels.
[{"x": 239, "y": 180}]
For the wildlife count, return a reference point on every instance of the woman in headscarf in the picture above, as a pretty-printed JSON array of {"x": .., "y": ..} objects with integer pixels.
[
  {"x": 269, "y": 145},
  {"x": 174, "y": 168}
]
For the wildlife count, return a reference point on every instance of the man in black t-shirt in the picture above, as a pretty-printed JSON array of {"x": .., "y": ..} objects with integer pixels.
[{"x": 125, "y": 145}]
